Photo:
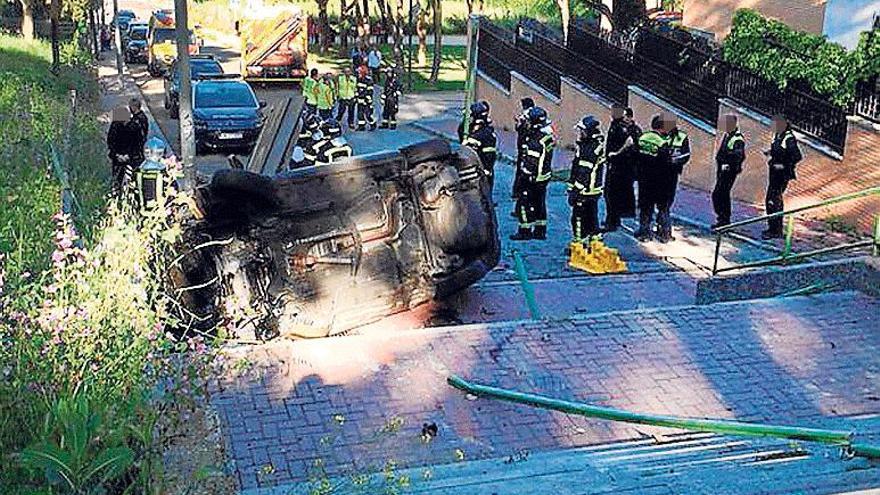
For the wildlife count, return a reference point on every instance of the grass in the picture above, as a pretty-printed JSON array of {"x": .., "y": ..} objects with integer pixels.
[
  {"x": 453, "y": 67},
  {"x": 34, "y": 112}
]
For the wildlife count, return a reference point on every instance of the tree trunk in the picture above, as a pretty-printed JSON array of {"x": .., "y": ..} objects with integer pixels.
[
  {"x": 344, "y": 23},
  {"x": 470, "y": 6},
  {"x": 323, "y": 26},
  {"x": 564, "y": 15},
  {"x": 422, "y": 32},
  {"x": 383, "y": 21},
  {"x": 399, "y": 22},
  {"x": 93, "y": 34},
  {"x": 28, "y": 31},
  {"x": 55, "y": 18},
  {"x": 438, "y": 41}
]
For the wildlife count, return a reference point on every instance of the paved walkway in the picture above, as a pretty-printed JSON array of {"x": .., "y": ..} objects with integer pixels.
[{"x": 355, "y": 403}]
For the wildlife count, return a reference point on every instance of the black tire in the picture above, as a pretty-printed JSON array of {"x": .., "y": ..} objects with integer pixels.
[{"x": 426, "y": 151}]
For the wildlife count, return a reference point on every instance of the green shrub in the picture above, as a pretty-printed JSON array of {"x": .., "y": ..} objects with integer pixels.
[{"x": 827, "y": 67}]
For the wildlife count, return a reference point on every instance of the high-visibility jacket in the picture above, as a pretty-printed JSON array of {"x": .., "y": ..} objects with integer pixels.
[
  {"x": 308, "y": 88},
  {"x": 537, "y": 155},
  {"x": 484, "y": 141},
  {"x": 347, "y": 87},
  {"x": 364, "y": 92},
  {"x": 588, "y": 167},
  {"x": 681, "y": 149},
  {"x": 784, "y": 151},
  {"x": 325, "y": 96},
  {"x": 732, "y": 152}
]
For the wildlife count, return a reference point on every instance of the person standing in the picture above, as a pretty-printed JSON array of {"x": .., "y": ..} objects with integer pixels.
[
  {"x": 623, "y": 135},
  {"x": 139, "y": 118},
  {"x": 123, "y": 146},
  {"x": 521, "y": 127},
  {"x": 347, "y": 90},
  {"x": 481, "y": 138},
  {"x": 374, "y": 62},
  {"x": 587, "y": 180},
  {"x": 391, "y": 100},
  {"x": 365, "y": 102},
  {"x": 535, "y": 170},
  {"x": 784, "y": 155},
  {"x": 325, "y": 96},
  {"x": 680, "y": 149},
  {"x": 728, "y": 162},
  {"x": 654, "y": 165},
  {"x": 310, "y": 95}
]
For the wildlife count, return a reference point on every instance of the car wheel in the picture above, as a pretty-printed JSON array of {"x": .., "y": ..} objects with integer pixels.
[{"x": 432, "y": 150}]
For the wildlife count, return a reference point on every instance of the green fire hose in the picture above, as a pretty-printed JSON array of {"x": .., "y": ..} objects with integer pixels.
[{"x": 831, "y": 437}]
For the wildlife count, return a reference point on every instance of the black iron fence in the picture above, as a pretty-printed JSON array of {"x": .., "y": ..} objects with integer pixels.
[
  {"x": 867, "y": 103},
  {"x": 499, "y": 54}
]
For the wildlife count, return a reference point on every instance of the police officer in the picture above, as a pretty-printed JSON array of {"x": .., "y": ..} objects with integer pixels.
[
  {"x": 331, "y": 147},
  {"x": 346, "y": 86},
  {"x": 365, "y": 102},
  {"x": 653, "y": 167},
  {"x": 309, "y": 85},
  {"x": 623, "y": 135},
  {"x": 391, "y": 99},
  {"x": 481, "y": 138},
  {"x": 784, "y": 154},
  {"x": 728, "y": 161},
  {"x": 535, "y": 170},
  {"x": 680, "y": 148},
  {"x": 139, "y": 118},
  {"x": 587, "y": 180}
]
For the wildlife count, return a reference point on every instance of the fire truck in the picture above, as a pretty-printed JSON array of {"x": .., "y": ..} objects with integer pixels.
[
  {"x": 274, "y": 43},
  {"x": 162, "y": 42}
]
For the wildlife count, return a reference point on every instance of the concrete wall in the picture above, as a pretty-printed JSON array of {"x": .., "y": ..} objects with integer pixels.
[
  {"x": 822, "y": 174},
  {"x": 716, "y": 16}
]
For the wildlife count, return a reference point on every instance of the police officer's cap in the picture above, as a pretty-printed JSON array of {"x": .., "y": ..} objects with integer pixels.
[{"x": 588, "y": 123}]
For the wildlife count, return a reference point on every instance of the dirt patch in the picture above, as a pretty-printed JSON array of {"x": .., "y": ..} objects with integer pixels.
[{"x": 195, "y": 457}]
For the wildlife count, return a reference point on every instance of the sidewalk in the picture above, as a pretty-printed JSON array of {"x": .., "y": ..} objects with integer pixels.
[{"x": 692, "y": 206}]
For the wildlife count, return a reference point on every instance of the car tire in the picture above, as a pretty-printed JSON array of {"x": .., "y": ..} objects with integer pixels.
[{"x": 427, "y": 151}]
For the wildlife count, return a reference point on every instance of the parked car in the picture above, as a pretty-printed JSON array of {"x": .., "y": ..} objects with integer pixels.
[
  {"x": 136, "y": 45},
  {"x": 123, "y": 19},
  {"x": 226, "y": 114},
  {"x": 200, "y": 66}
]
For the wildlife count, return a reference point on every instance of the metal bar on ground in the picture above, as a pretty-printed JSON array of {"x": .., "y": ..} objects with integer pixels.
[
  {"x": 528, "y": 289},
  {"x": 721, "y": 426},
  {"x": 789, "y": 233}
]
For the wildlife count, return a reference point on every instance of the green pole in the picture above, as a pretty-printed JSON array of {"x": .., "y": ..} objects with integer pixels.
[
  {"x": 789, "y": 233},
  {"x": 832, "y": 437},
  {"x": 528, "y": 290}
]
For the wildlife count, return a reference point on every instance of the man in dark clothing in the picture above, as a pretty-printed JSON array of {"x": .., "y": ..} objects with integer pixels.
[
  {"x": 365, "y": 102},
  {"x": 784, "y": 154},
  {"x": 521, "y": 127},
  {"x": 481, "y": 138},
  {"x": 729, "y": 160},
  {"x": 623, "y": 135},
  {"x": 124, "y": 147},
  {"x": 391, "y": 99},
  {"x": 140, "y": 118},
  {"x": 535, "y": 169},
  {"x": 587, "y": 180},
  {"x": 654, "y": 167},
  {"x": 680, "y": 147}
]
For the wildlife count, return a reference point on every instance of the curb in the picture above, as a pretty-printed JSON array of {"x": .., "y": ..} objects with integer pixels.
[{"x": 681, "y": 218}]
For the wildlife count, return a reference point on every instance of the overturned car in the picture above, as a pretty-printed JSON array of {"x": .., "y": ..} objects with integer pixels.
[{"x": 322, "y": 250}]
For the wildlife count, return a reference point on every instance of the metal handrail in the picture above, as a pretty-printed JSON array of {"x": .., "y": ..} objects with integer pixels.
[
  {"x": 787, "y": 255},
  {"x": 844, "y": 439}
]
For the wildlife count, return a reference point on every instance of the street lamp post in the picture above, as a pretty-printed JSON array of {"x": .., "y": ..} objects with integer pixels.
[
  {"x": 410, "y": 42},
  {"x": 117, "y": 38},
  {"x": 187, "y": 130}
]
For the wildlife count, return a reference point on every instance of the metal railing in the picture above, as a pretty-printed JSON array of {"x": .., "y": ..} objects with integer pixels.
[
  {"x": 841, "y": 438},
  {"x": 867, "y": 104},
  {"x": 787, "y": 256}
]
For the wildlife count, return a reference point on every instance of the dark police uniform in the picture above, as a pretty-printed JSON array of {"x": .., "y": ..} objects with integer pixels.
[
  {"x": 654, "y": 167},
  {"x": 585, "y": 187},
  {"x": 728, "y": 160},
  {"x": 784, "y": 156},
  {"x": 620, "y": 200},
  {"x": 680, "y": 149}
]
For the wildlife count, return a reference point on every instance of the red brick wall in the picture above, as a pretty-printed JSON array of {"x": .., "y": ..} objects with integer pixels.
[{"x": 716, "y": 16}]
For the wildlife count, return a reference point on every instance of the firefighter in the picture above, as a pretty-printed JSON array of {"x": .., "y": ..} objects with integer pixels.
[
  {"x": 391, "y": 99},
  {"x": 325, "y": 96},
  {"x": 728, "y": 162},
  {"x": 521, "y": 126},
  {"x": 481, "y": 138},
  {"x": 331, "y": 146},
  {"x": 309, "y": 136},
  {"x": 587, "y": 180},
  {"x": 365, "y": 102},
  {"x": 346, "y": 86},
  {"x": 535, "y": 170},
  {"x": 783, "y": 156},
  {"x": 623, "y": 135},
  {"x": 309, "y": 85},
  {"x": 680, "y": 148},
  {"x": 653, "y": 169}
]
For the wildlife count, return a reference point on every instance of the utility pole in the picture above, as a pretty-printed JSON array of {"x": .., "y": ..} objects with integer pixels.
[
  {"x": 410, "y": 51},
  {"x": 187, "y": 130},
  {"x": 473, "y": 43},
  {"x": 117, "y": 38}
]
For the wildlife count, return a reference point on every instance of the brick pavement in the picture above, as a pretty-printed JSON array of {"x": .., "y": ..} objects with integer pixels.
[{"x": 357, "y": 402}]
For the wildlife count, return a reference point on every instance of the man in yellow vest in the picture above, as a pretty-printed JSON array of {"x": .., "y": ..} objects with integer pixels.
[
  {"x": 309, "y": 85},
  {"x": 347, "y": 90},
  {"x": 654, "y": 165},
  {"x": 325, "y": 94}
]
